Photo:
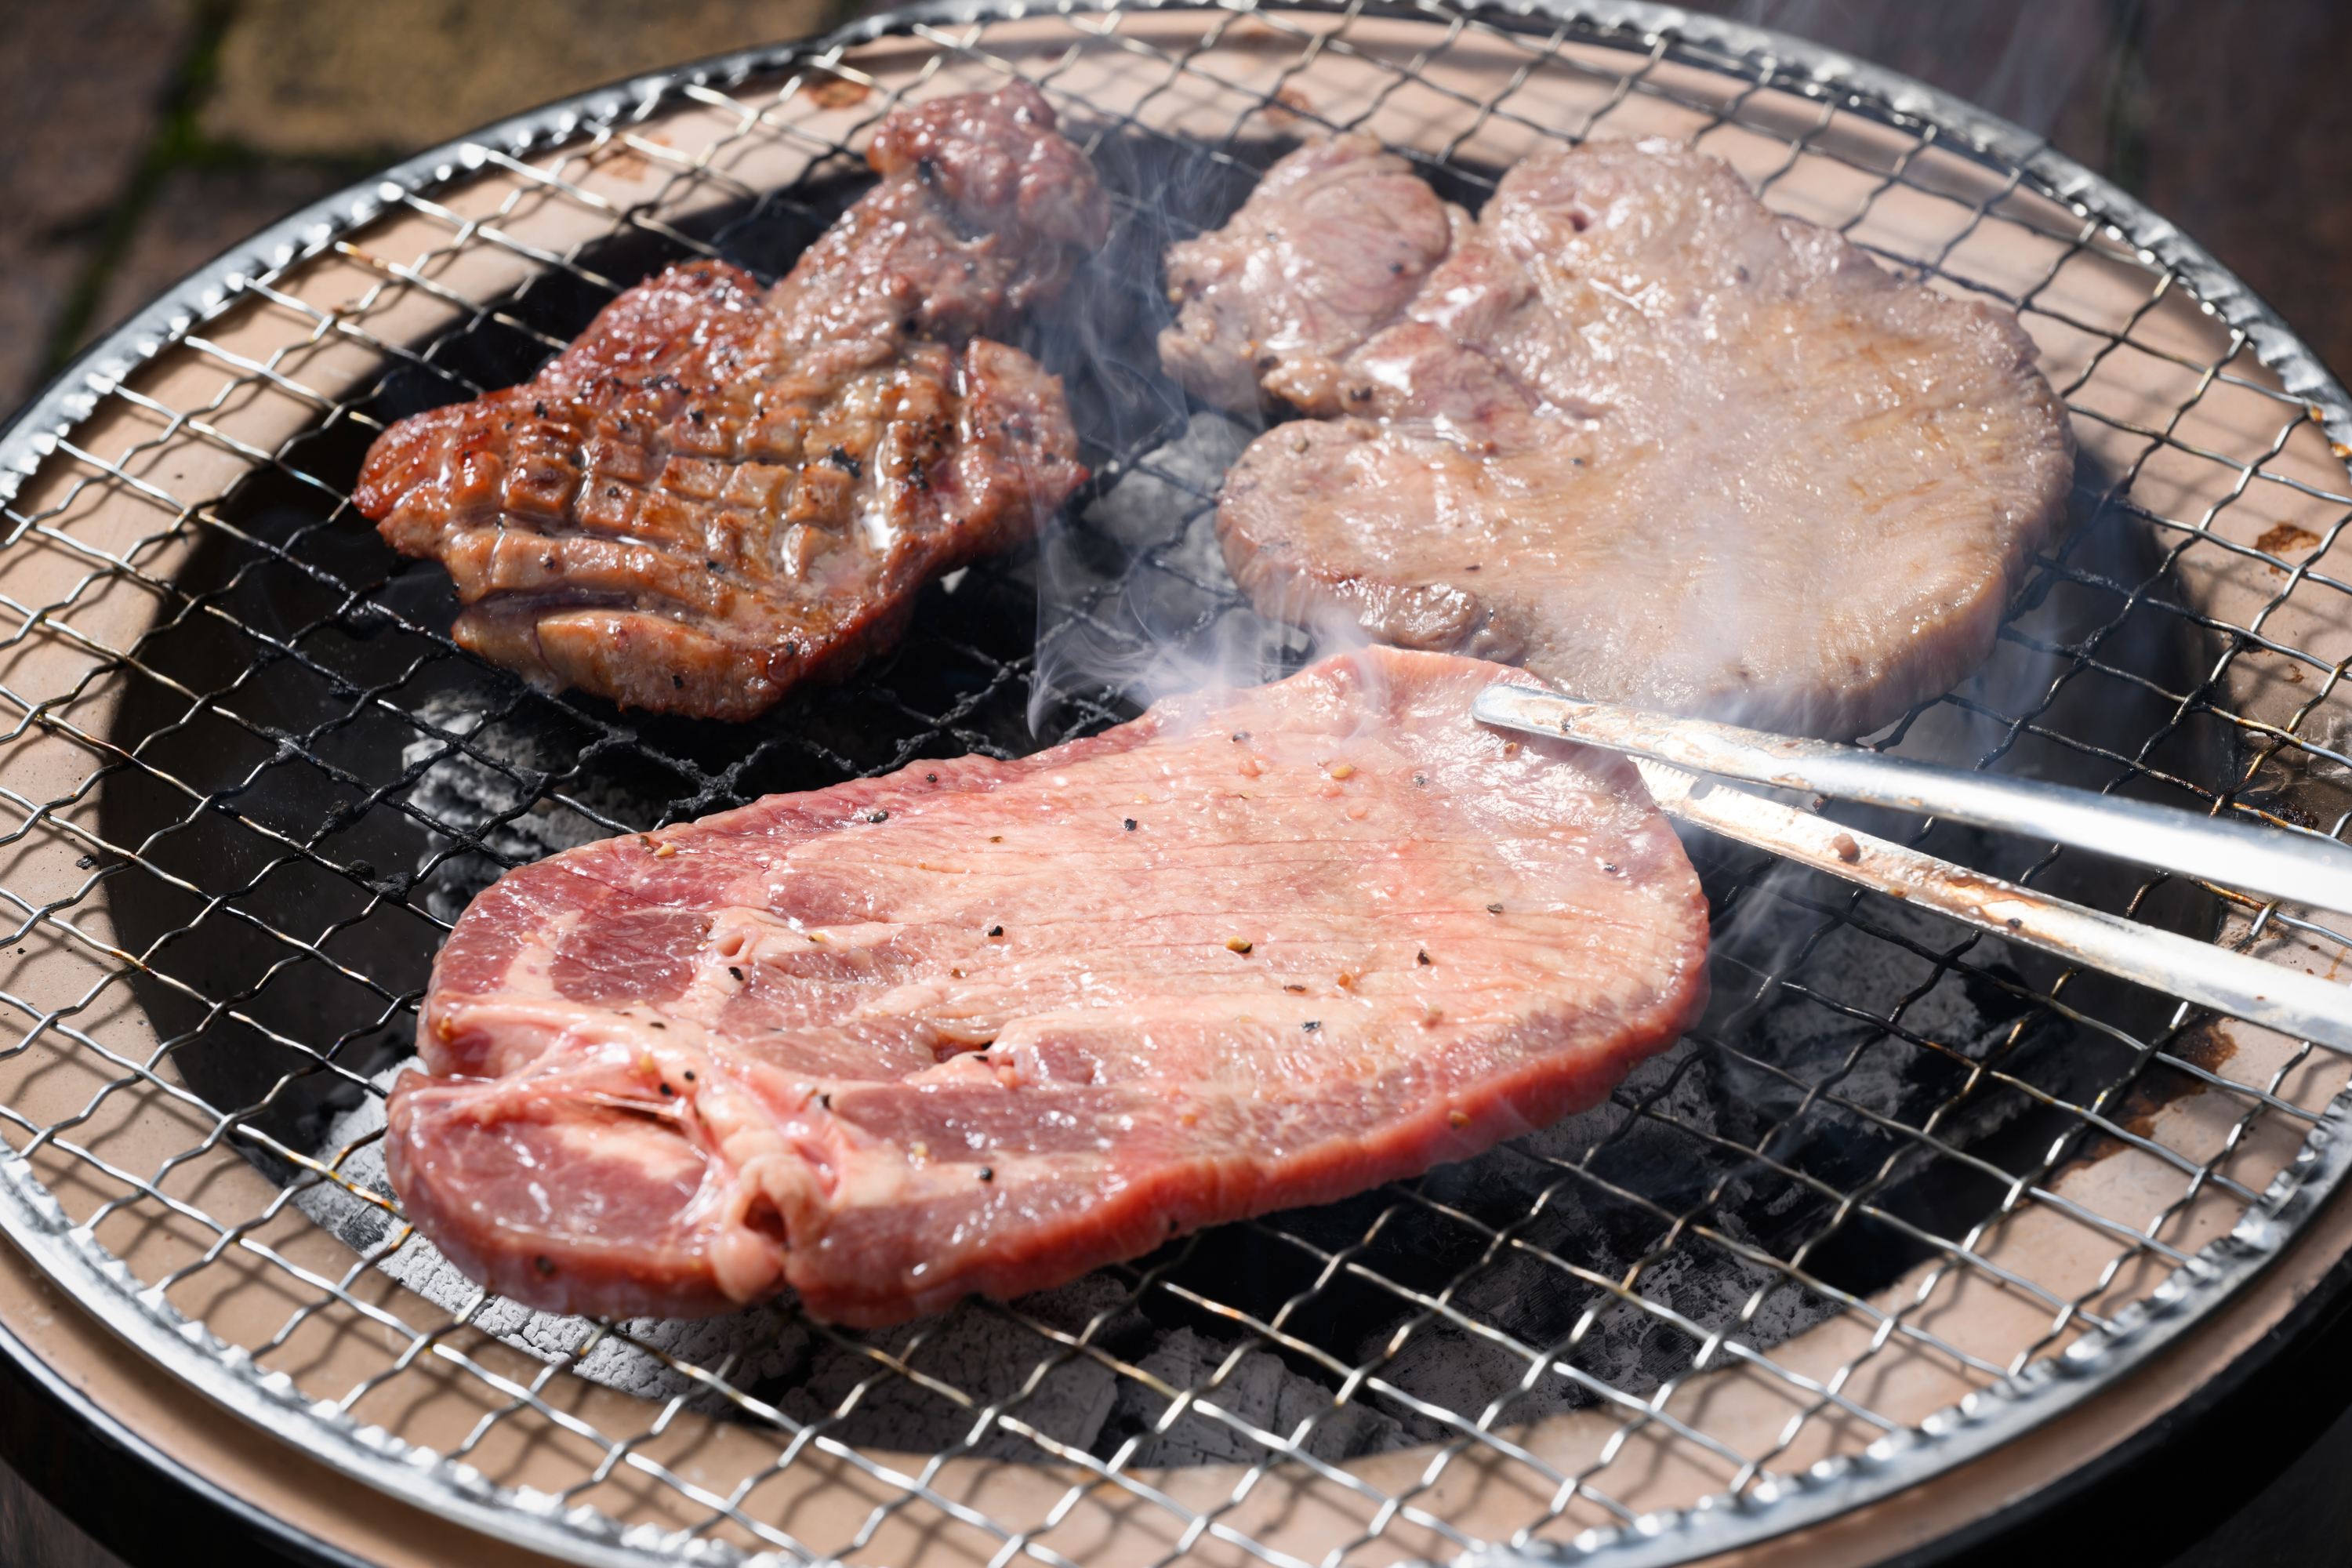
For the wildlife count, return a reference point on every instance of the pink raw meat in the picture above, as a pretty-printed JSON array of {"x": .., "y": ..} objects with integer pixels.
[{"x": 985, "y": 1025}]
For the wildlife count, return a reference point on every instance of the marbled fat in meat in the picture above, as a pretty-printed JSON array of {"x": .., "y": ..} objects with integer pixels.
[
  {"x": 720, "y": 490},
  {"x": 1628, "y": 428},
  {"x": 984, "y": 1025}
]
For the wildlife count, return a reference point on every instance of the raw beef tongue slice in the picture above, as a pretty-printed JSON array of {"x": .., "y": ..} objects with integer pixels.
[
  {"x": 984, "y": 1025},
  {"x": 1628, "y": 428},
  {"x": 721, "y": 490}
]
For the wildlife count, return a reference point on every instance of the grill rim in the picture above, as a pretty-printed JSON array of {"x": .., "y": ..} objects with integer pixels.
[{"x": 72, "y": 1258}]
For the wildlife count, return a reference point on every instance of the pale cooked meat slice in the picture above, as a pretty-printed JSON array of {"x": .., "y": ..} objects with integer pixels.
[
  {"x": 1328, "y": 248},
  {"x": 984, "y": 1025},
  {"x": 1661, "y": 446},
  {"x": 721, "y": 490}
]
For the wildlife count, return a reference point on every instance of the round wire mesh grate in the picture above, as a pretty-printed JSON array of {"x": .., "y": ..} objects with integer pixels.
[{"x": 1905, "y": 1191}]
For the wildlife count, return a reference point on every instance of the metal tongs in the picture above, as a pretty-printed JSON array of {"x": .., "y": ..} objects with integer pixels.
[{"x": 2301, "y": 869}]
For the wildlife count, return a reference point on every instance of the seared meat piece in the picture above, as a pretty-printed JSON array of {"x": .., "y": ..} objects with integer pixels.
[
  {"x": 720, "y": 490},
  {"x": 1639, "y": 433},
  {"x": 985, "y": 1025},
  {"x": 1332, "y": 244}
]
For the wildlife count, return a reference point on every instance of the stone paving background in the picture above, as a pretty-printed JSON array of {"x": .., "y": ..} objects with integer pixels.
[{"x": 139, "y": 137}]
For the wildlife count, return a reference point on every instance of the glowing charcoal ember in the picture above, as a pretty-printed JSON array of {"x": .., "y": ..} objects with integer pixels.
[
  {"x": 1628, "y": 428},
  {"x": 721, "y": 490},
  {"x": 900, "y": 1039}
]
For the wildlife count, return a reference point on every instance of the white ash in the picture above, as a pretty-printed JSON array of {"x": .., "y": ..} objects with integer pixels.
[
  {"x": 1889, "y": 1074},
  {"x": 986, "y": 1352},
  {"x": 1134, "y": 598},
  {"x": 1539, "y": 1305},
  {"x": 480, "y": 799},
  {"x": 1171, "y": 488},
  {"x": 1252, "y": 1388},
  {"x": 1629, "y": 1348}
]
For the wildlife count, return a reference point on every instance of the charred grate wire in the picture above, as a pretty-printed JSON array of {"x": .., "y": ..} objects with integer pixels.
[{"x": 278, "y": 737}]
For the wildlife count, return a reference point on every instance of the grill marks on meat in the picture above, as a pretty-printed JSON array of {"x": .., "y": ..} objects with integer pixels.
[
  {"x": 720, "y": 490},
  {"x": 1628, "y": 428},
  {"x": 900, "y": 1039}
]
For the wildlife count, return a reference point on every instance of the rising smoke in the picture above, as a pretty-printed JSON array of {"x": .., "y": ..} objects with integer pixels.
[{"x": 2056, "y": 67}]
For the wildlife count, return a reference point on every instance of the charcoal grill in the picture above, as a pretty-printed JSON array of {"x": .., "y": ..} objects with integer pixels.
[{"x": 1906, "y": 1198}]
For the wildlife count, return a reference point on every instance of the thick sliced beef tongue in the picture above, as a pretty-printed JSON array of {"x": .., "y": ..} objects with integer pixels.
[
  {"x": 720, "y": 490},
  {"x": 1335, "y": 240},
  {"x": 1629, "y": 429},
  {"x": 985, "y": 1025}
]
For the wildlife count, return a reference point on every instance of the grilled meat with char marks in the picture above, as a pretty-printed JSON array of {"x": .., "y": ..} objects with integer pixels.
[
  {"x": 985, "y": 1025},
  {"x": 720, "y": 490},
  {"x": 1628, "y": 428}
]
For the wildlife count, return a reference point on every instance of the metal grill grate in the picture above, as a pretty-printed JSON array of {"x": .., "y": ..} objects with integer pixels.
[{"x": 1832, "y": 1243}]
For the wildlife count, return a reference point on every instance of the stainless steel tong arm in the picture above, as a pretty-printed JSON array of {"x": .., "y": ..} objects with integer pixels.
[
  {"x": 2302, "y": 1006},
  {"x": 2302, "y": 868}
]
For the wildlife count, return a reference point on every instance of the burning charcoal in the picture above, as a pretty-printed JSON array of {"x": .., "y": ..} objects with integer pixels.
[
  {"x": 1259, "y": 1390},
  {"x": 985, "y": 1354},
  {"x": 1134, "y": 597},
  {"x": 484, "y": 799}
]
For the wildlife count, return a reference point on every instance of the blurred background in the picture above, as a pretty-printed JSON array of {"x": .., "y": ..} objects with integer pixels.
[{"x": 144, "y": 136}]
